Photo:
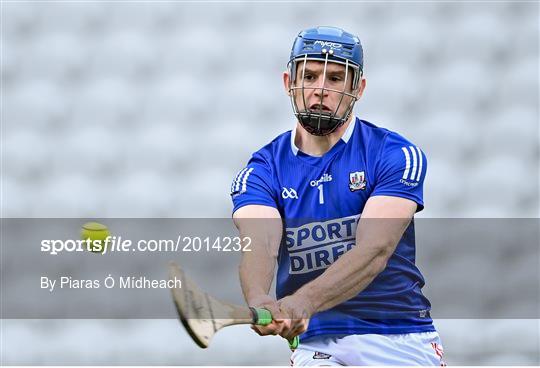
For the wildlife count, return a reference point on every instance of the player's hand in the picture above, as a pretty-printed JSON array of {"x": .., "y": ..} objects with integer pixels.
[
  {"x": 297, "y": 311},
  {"x": 278, "y": 322}
]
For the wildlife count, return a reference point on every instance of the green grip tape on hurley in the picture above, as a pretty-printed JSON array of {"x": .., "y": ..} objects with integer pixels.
[
  {"x": 293, "y": 344},
  {"x": 263, "y": 317}
]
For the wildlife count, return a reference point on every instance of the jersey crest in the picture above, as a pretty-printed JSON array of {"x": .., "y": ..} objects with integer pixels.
[{"x": 357, "y": 181}]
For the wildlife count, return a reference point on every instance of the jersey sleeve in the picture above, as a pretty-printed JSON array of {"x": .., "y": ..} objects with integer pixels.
[
  {"x": 253, "y": 184},
  {"x": 401, "y": 170}
]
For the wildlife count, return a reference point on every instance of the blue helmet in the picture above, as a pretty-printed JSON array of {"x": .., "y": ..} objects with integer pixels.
[{"x": 326, "y": 44}]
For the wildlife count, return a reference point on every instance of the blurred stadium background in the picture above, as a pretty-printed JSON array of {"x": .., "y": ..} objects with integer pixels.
[{"x": 141, "y": 109}]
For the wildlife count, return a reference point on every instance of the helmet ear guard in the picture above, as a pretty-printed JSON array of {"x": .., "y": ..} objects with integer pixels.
[{"x": 324, "y": 44}]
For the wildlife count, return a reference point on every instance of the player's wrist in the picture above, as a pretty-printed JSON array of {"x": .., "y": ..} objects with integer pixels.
[
  {"x": 260, "y": 300},
  {"x": 308, "y": 301}
]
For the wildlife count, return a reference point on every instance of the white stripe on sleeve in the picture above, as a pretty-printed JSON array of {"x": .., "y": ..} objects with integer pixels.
[
  {"x": 414, "y": 162},
  {"x": 407, "y": 162},
  {"x": 238, "y": 178},
  {"x": 420, "y": 160},
  {"x": 244, "y": 182}
]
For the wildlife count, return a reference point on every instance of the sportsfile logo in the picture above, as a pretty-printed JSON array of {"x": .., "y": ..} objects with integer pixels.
[
  {"x": 332, "y": 45},
  {"x": 317, "y": 245},
  {"x": 413, "y": 166}
]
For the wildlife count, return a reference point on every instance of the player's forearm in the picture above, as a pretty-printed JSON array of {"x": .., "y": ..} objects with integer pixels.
[
  {"x": 379, "y": 230},
  {"x": 256, "y": 274},
  {"x": 262, "y": 225},
  {"x": 348, "y": 276}
]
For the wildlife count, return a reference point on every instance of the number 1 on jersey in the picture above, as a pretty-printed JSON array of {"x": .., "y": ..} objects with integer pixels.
[{"x": 321, "y": 194}]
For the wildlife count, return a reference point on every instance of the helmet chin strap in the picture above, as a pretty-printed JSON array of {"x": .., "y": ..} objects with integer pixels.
[{"x": 318, "y": 124}]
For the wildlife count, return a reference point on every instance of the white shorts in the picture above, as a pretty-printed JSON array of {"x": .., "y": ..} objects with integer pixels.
[{"x": 421, "y": 348}]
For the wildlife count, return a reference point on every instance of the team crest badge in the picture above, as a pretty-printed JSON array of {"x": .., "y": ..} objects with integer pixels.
[{"x": 357, "y": 181}]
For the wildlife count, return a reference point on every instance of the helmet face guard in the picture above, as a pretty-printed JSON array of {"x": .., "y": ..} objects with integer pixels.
[{"x": 328, "y": 45}]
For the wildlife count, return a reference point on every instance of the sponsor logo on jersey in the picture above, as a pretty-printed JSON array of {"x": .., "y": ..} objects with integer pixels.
[
  {"x": 289, "y": 193},
  {"x": 317, "y": 245},
  {"x": 413, "y": 166},
  {"x": 323, "y": 179},
  {"x": 239, "y": 184},
  {"x": 357, "y": 181},
  {"x": 319, "y": 355}
]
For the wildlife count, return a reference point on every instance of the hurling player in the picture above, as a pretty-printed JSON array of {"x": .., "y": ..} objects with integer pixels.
[{"x": 332, "y": 203}]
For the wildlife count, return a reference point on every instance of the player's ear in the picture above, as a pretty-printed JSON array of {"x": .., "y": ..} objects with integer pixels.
[
  {"x": 287, "y": 81},
  {"x": 361, "y": 86}
]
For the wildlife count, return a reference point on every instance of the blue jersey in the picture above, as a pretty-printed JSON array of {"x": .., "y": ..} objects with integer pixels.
[{"x": 320, "y": 200}]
